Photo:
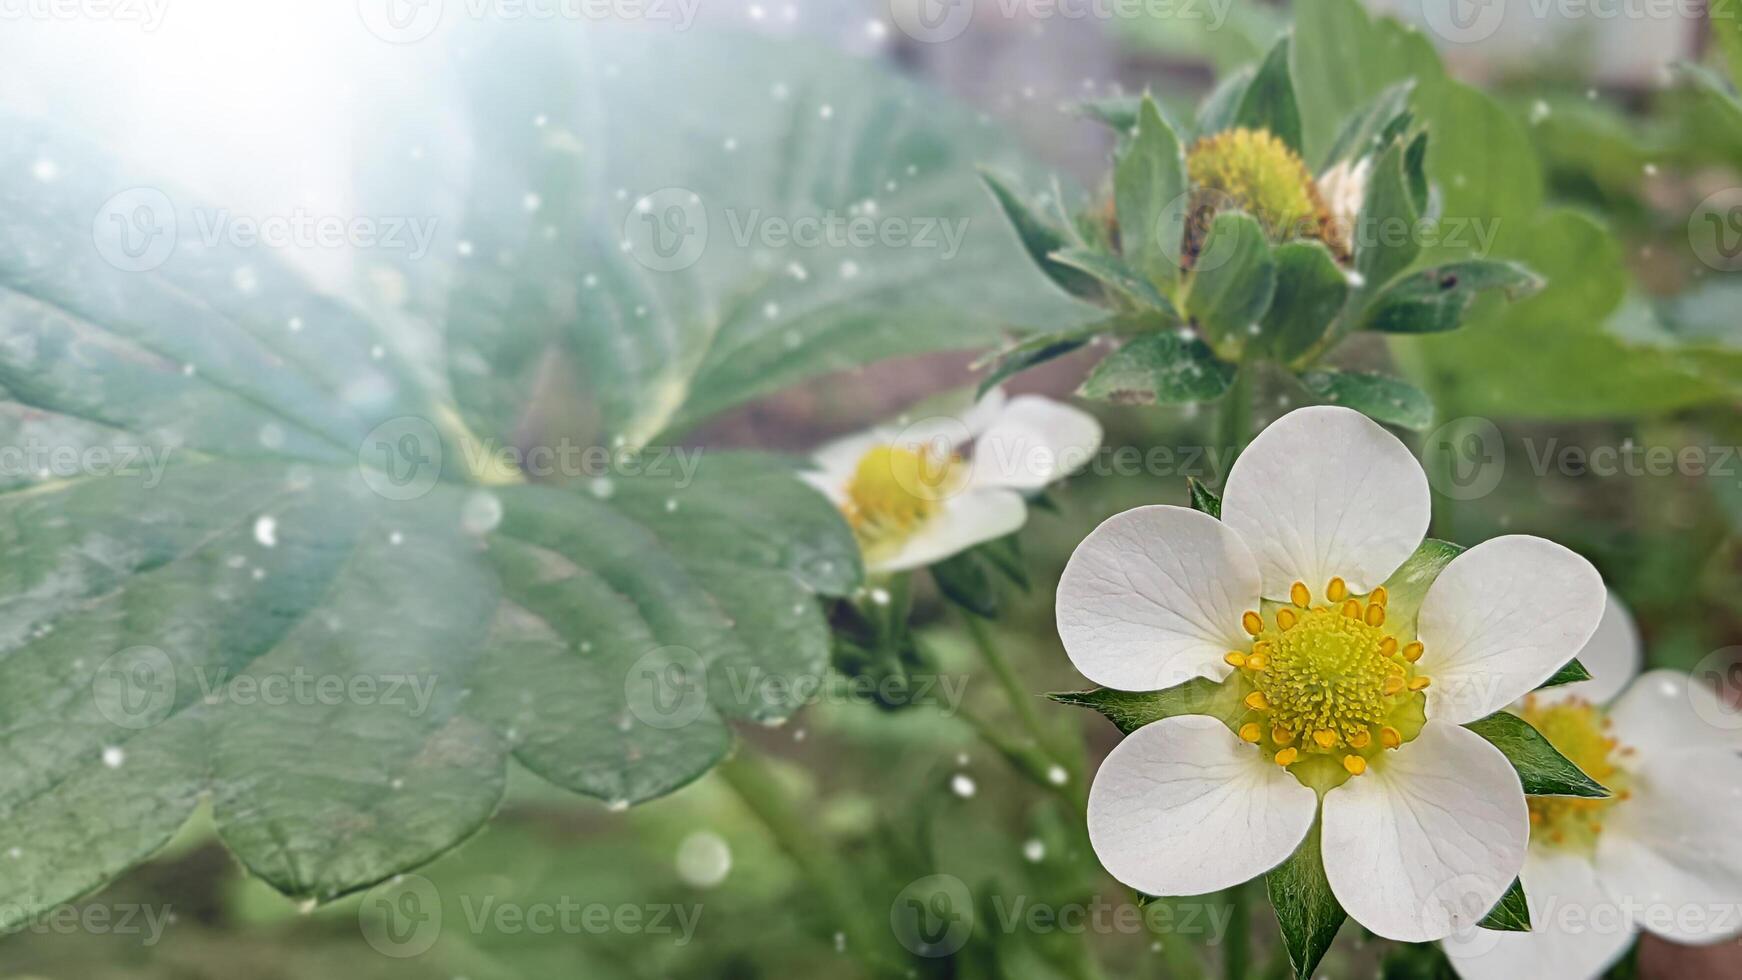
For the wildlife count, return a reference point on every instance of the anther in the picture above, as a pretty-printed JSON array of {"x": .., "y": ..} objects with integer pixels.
[
  {"x": 1380, "y": 597},
  {"x": 1419, "y": 684},
  {"x": 1390, "y": 737},
  {"x": 1360, "y": 739},
  {"x": 1235, "y": 658},
  {"x": 1375, "y": 615},
  {"x": 1413, "y": 651},
  {"x": 1393, "y": 684},
  {"x": 1283, "y": 736},
  {"x": 1388, "y": 646},
  {"x": 1258, "y": 661},
  {"x": 1253, "y": 623},
  {"x": 1337, "y": 590},
  {"x": 1352, "y": 609},
  {"x": 1287, "y": 756},
  {"x": 1256, "y": 701},
  {"x": 1325, "y": 737},
  {"x": 1251, "y": 731},
  {"x": 1355, "y": 764},
  {"x": 1286, "y": 618},
  {"x": 1298, "y": 594}
]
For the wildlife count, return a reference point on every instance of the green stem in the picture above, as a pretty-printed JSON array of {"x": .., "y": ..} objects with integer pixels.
[
  {"x": 1020, "y": 698},
  {"x": 763, "y": 795},
  {"x": 1234, "y": 415},
  {"x": 1237, "y": 943}
]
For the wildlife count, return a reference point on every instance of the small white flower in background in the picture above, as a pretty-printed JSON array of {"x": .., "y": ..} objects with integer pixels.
[
  {"x": 918, "y": 494},
  {"x": 1344, "y": 190},
  {"x": 1333, "y": 699},
  {"x": 1662, "y": 855}
]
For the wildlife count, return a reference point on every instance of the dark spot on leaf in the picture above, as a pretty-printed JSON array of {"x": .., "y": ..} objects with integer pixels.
[{"x": 1449, "y": 281}]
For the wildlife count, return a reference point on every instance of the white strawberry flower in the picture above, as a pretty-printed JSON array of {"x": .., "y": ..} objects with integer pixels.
[
  {"x": 1326, "y": 706},
  {"x": 918, "y": 493},
  {"x": 1343, "y": 188},
  {"x": 1656, "y": 856}
]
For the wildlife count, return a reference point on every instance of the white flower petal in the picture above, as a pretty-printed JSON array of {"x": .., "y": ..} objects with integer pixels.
[
  {"x": 837, "y": 461},
  {"x": 1428, "y": 840},
  {"x": 1612, "y": 655},
  {"x": 1153, "y": 598},
  {"x": 967, "y": 519},
  {"x": 951, "y": 429},
  {"x": 1323, "y": 492},
  {"x": 1671, "y": 853},
  {"x": 1667, "y": 711},
  {"x": 1033, "y": 442},
  {"x": 1183, "y": 807},
  {"x": 1501, "y": 619},
  {"x": 1576, "y": 931}
]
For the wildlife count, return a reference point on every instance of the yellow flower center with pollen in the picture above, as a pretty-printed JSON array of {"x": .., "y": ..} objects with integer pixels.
[
  {"x": 895, "y": 490},
  {"x": 1251, "y": 170},
  {"x": 1579, "y": 730},
  {"x": 1330, "y": 686}
]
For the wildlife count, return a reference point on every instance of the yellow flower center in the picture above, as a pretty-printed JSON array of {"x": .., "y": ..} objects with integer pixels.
[
  {"x": 1329, "y": 685},
  {"x": 895, "y": 490},
  {"x": 1579, "y": 730},
  {"x": 1251, "y": 170}
]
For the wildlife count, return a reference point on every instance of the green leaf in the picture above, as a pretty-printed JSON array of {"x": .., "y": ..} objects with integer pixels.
[
  {"x": 1541, "y": 767},
  {"x": 1232, "y": 282},
  {"x": 1159, "y": 369},
  {"x": 1220, "y": 108},
  {"x": 1204, "y": 500},
  {"x": 1040, "y": 239},
  {"x": 1511, "y": 913},
  {"x": 1131, "y": 710},
  {"x": 1344, "y": 59},
  {"x": 1376, "y": 396},
  {"x": 1013, "y": 359},
  {"x": 1120, "y": 280},
  {"x": 1310, "y": 292},
  {"x": 1148, "y": 190},
  {"x": 978, "y": 579},
  {"x": 1268, "y": 101},
  {"x": 717, "y": 278},
  {"x": 1385, "y": 234},
  {"x": 1307, "y": 911},
  {"x": 1436, "y": 300},
  {"x": 1571, "y": 672}
]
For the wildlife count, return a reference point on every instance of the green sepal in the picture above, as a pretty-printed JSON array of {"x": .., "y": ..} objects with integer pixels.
[
  {"x": 1438, "y": 299},
  {"x": 1571, "y": 672},
  {"x": 1377, "y": 396},
  {"x": 1268, "y": 101},
  {"x": 1408, "y": 586},
  {"x": 1385, "y": 233},
  {"x": 1307, "y": 911},
  {"x": 1018, "y": 356},
  {"x": 1040, "y": 239},
  {"x": 1220, "y": 109},
  {"x": 1541, "y": 767},
  {"x": 1365, "y": 130},
  {"x": 1232, "y": 282},
  {"x": 1310, "y": 292},
  {"x": 1204, "y": 500},
  {"x": 1159, "y": 369},
  {"x": 1149, "y": 186},
  {"x": 1131, "y": 710},
  {"x": 1511, "y": 913},
  {"x": 1119, "y": 279}
]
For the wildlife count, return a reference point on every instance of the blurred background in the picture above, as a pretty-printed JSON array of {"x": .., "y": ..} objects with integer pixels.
[{"x": 270, "y": 107}]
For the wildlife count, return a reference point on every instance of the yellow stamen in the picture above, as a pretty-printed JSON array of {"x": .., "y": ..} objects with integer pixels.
[
  {"x": 1390, "y": 737},
  {"x": 1360, "y": 739},
  {"x": 1253, "y": 622},
  {"x": 1286, "y": 618},
  {"x": 1251, "y": 731},
  {"x": 1298, "y": 594},
  {"x": 1413, "y": 651},
  {"x": 1375, "y": 615},
  {"x": 1235, "y": 658},
  {"x": 1352, "y": 609},
  {"x": 1388, "y": 646},
  {"x": 1380, "y": 597},
  {"x": 1337, "y": 590},
  {"x": 1419, "y": 684},
  {"x": 1393, "y": 684},
  {"x": 1256, "y": 701},
  {"x": 1257, "y": 661},
  {"x": 1287, "y": 756},
  {"x": 1281, "y": 735},
  {"x": 1355, "y": 764},
  {"x": 1325, "y": 737}
]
